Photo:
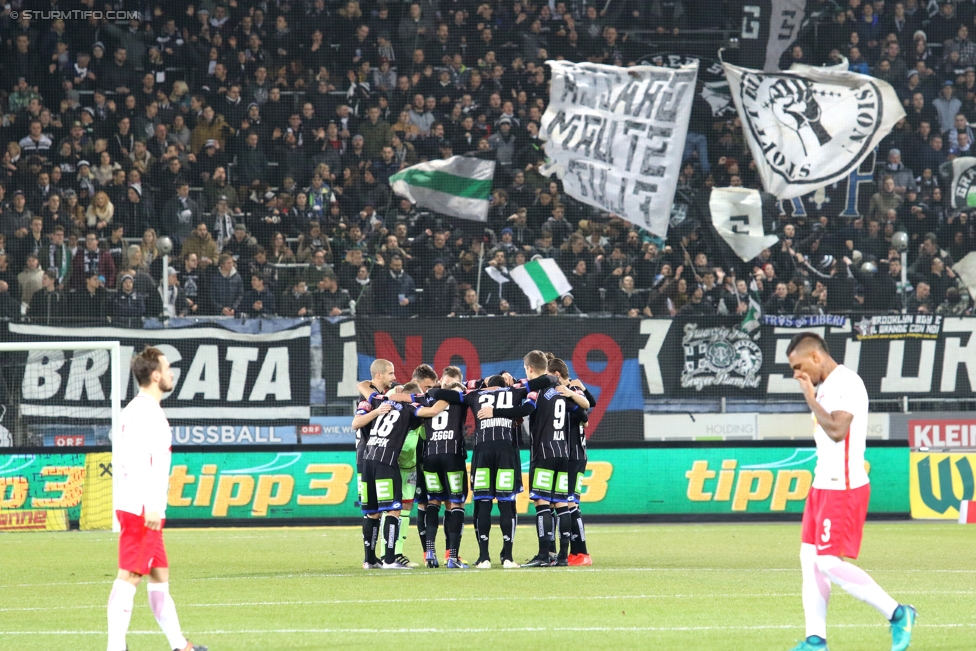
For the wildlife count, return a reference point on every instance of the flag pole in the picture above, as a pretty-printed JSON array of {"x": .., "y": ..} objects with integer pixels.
[{"x": 481, "y": 264}]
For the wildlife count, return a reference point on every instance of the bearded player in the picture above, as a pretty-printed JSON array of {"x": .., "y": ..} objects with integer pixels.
[
  {"x": 837, "y": 505},
  {"x": 141, "y": 458}
]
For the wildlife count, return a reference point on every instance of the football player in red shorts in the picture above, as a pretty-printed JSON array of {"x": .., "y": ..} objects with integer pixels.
[
  {"x": 837, "y": 505},
  {"x": 141, "y": 457}
]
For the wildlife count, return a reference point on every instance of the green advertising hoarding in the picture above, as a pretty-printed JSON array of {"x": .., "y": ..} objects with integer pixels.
[{"x": 295, "y": 484}]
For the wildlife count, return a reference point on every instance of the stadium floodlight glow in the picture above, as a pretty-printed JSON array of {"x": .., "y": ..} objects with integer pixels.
[{"x": 900, "y": 240}]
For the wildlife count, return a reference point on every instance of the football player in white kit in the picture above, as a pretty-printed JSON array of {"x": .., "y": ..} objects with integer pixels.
[{"x": 837, "y": 505}]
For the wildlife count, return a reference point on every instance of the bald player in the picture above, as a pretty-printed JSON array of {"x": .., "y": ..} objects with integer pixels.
[{"x": 837, "y": 505}]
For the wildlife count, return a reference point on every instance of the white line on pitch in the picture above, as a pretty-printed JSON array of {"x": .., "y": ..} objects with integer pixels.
[
  {"x": 506, "y": 630},
  {"x": 337, "y": 602}
]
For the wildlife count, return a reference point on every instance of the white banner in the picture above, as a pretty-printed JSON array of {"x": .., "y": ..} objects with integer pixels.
[
  {"x": 737, "y": 216},
  {"x": 810, "y": 128},
  {"x": 616, "y": 136},
  {"x": 963, "y": 175}
]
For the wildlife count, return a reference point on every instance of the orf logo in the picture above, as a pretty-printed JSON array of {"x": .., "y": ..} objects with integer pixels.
[{"x": 805, "y": 127}]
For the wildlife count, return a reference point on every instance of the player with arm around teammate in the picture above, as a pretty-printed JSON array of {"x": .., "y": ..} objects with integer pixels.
[
  {"x": 382, "y": 485},
  {"x": 837, "y": 505},
  {"x": 578, "y": 553},
  {"x": 141, "y": 459}
]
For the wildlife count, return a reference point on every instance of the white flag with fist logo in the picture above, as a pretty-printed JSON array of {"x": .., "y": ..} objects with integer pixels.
[{"x": 810, "y": 127}]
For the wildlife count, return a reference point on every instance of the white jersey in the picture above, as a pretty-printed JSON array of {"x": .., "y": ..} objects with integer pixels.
[
  {"x": 840, "y": 464},
  {"x": 141, "y": 457}
]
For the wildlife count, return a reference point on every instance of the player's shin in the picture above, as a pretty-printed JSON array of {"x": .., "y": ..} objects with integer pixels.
[
  {"x": 404, "y": 526},
  {"x": 432, "y": 517},
  {"x": 565, "y": 521},
  {"x": 543, "y": 525},
  {"x": 857, "y": 583},
  {"x": 508, "y": 521},
  {"x": 120, "y": 602},
  {"x": 371, "y": 528},
  {"x": 483, "y": 527},
  {"x": 164, "y": 610},
  {"x": 815, "y": 592},
  {"x": 422, "y": 524},
  {"x": 453, "y": 533},
  {"x": 391, "y": 533},
  {"x": 577, "y": 543}
]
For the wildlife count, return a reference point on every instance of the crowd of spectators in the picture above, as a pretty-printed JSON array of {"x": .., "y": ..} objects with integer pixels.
[{"x": 260, "y": 138}]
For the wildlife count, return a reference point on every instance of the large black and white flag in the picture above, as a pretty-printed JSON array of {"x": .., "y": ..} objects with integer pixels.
[
  {"x": 769, "y": 27},
  {"x": 963, "y": 186},
  {"x": 616, "y": 136},
  {"x": 737, "y": 215},
  {"x": 811, "y": 127}
]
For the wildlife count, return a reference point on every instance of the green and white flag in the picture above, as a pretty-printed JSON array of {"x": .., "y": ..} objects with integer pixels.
[
  {"x": 963, "y": 174},
  {"x": 541, "y": 280},
  {"x": 458, "y": 186},
  {"x": 753, "y": 315}
]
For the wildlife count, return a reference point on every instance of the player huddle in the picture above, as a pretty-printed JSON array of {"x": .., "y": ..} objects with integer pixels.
[{"x": 410, "y": 447}]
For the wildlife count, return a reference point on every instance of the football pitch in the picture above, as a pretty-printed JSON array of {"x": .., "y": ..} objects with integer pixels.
[{"x": 696, "y": 586}]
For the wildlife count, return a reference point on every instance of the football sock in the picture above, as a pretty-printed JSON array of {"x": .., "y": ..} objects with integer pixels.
[
  {"x": 164, "y": 610},
  {"x": 565, "y": 530},
  {"x": 543, "y": 525},
  {"x": 857, "y": 583},
  {"x": 507, "y": 520},
  {"x": 483, "y": 527},
  {"x": 371, "y": 528},
  {"x": 120, "y": 602},
  {"x": 577, "y": 542},
  {"x": 815, "y": 592},
  {"x": 391, "y": 532},
  {"x": 422, "y": 525},
  {"x": 454, "y": 533},
  {"x": 403, "y": 530},
  {"x": 431, "y": 520}
]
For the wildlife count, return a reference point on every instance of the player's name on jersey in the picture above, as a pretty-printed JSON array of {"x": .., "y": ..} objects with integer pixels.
[{"x": 496, "y": 422}]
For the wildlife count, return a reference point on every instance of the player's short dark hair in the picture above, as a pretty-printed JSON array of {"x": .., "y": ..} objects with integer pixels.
[
  {"x": 454, "y": 372},
  {"x": 495, "y": 381},
  {"x": 424, "y": 372},
  {"x": 807, "y": 339},
  {"x": 536, "y": 360},
  {"x": 411, "y": 387},
  {"x": 549, "y": 356},
  {"x": 557, "y": 365},
  {"x": 144, "y": 364}
]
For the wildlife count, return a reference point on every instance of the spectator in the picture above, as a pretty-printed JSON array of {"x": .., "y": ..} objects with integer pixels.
[
  {"x": 697, "y": 306},
  {"x": 440, "y": 291},
  {"x": 30, "y": 279},
  {"x": 921, "y": 301},
  {"x": 89, "y": 305},
  {"x": 91, "y": 260},
  {"x": 394, "y": 289},
  {"x": 469, "y": 306},
  {"x": 181, "y": 213},
  {"x": 627, "y": 301},
  {"x": 9, "y": 305},
  {"x": 780, "y": 302},
  {"x": 298, "y": 302},
  {"x": 202, "y": 245},
  {"x": 903, "y": 177},
  {"x": 884, "y": 200},
  {"x": 48, "y": 305},
  {"x": 330, "y": 299},
  {"x": 258, "y": 301},
  {"x": 130, "y": 305},
  {"x": 226, "y": 287}
]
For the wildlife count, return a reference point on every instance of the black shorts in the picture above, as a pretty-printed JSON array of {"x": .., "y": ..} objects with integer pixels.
[
  {"x": 420, "y": 493},
  {"x": 381, "y": 488},
  {"x": 445, "y": 478},
  {"x": 577, "y": 468},
  {"x": 549, "y": 480},
  {"x": 496, "y": 472}
]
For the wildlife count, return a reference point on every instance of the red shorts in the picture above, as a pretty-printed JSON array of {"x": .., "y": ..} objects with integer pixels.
[
  {"x": 140, "y": 549},
  {"x": 834, "y": 520}
]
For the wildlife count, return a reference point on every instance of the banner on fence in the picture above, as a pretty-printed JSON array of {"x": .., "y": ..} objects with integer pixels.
[
  {"x": 313, "y": 485},
  {"x": 939, "y": 482},
  {"x": 898, "y": 326},
  {"x": 219, "y": 375},
  {"x": 936, "y": 430},
  {"x": 696, "y": 356},
  {"x": 602, "y": 353}
]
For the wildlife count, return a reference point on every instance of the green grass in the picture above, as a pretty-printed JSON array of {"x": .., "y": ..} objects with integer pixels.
[{"x": 651, "y": 587}]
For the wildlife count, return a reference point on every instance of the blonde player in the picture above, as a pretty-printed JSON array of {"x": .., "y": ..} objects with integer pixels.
[
  {"x": 837, "y": 505},
  {"x": 141, "y": 463}
]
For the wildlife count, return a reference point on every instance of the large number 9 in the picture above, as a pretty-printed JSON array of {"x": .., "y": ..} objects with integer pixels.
[
  {"x": 560, "y": 416},
  {"x": 750, "y": 21}
]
